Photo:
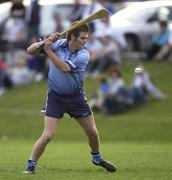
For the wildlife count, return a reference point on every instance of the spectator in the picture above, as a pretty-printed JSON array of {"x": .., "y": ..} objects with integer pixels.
[
  {"x": 116, "y": 100},
  {"x": 137, "y": 90},
  {"x": 20, "y": 74},
  {"x": 169, "y": 48},
  {"x": 144, "y": 88},
  {"x": 58, "y": 22},
  {"x": 111, "y": 94},
  {"x": 33, "y": 19},
  {"x": 2, "y": 76},
  {"x": 18, "y": 9},
  {"x": 15, "y": 32},
  {"x": 116, "y": 82},
  {"x": 108, "y": 5},
  {"x": 90, "y": 9},
  {"x": 97, "y": 101},
  {"x": 115, "y": 34},
  {"x": 105, "y": 56},
  {"x": 5, "y": 80},
  {"x": 166, "y": 51},
  {"x": 77, "y": 11},
  {"x": 93, "y": 45},
  {"x": 159, "y": 40}
]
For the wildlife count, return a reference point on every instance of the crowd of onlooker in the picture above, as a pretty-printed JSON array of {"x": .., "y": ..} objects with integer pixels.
[
  {"x": 113, "y": 96},
  {"x": 18, "y": 31},
  {"x": 105, "y": 44}
]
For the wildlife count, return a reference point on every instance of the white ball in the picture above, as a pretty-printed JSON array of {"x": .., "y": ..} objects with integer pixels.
[{"x": 138, "y": 70}]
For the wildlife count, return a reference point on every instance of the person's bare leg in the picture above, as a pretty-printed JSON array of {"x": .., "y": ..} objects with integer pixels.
[
  {"x": 89, "y": 127},
  {"x": 40, "y": 145},
  {"x": 48, "y": 133}
]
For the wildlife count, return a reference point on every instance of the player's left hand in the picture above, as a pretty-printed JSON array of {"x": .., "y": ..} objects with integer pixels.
[{"x": 53, "y": 37}]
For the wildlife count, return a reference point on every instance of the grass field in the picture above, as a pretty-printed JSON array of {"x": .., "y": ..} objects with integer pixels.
[{"x": 138, "y": 141}]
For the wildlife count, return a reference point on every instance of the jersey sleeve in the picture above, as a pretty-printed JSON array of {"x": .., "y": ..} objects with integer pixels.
[{"x": 80, "y": 62}]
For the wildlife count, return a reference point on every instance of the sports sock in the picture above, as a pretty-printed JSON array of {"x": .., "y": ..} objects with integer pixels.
[
  {"x": 31, "y": 163},
  {"x": 96, "y": 157}
]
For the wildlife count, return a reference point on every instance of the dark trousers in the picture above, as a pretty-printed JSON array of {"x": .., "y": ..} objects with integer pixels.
[{"x": 153, "y": 51}]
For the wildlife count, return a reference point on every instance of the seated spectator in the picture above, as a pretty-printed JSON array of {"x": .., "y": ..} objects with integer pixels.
[
  {"x": 113, "y": 97},
  {"x": 137, "y": 90},
  {"x": 2, "y": 76},
  {"x": 5, "y": 80},
  {"x": 21, "y": 73},
  {"x": 93, "y": 45},
  {"x": 110, "y": 96},
  {"x": 117, "y": 99},
  {"x": 117, "y": 35},
  {"x": 170, "y": 48},
  {"x": 160, "y": 40},
  {"x": 98, "y": 99},
  {"x": 143, "y": 88},
  {"x": 108, "y": 54},
  {"x": 116, "y": 81},
  {"x": 165, "y": 52}
]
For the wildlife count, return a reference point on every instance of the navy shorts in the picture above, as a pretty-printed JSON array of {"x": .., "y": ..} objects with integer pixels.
[{"x": 74, "y": 104}]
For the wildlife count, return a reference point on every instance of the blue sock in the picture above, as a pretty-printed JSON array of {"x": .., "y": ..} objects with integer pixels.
[
  {"x": 96, "y": 157},
  {"x": 31, "y": 163}
]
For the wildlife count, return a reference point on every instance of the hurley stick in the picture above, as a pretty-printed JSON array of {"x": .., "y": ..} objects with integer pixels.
[{"x": 101, "y": 14}]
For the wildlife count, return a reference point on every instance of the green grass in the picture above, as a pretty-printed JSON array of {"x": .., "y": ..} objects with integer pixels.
[
  {"x": 72, "y": 161},
  {"x": 137, "y": 141}
]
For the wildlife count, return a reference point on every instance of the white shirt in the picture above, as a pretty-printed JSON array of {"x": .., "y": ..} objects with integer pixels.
[{"x": 115, "y": 85}]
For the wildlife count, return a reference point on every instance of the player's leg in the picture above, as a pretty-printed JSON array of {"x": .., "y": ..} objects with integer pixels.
[
  {"x": 89, "y": 127},
  {"x": 50, "y": 125}
]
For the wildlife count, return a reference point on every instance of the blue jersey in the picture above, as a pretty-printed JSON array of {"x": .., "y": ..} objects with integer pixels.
[{"x": 68, "y": 82}]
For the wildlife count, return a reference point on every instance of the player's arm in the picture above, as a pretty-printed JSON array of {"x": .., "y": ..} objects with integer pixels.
[
  {"x": 62, "y": 65},
  {"x": 37, "y": 47}
]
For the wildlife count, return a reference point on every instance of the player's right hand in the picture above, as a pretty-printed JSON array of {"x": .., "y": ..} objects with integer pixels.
[{"x": 54, "y": 37}]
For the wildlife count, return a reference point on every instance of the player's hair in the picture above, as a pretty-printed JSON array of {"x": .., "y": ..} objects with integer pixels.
[{"x": 75, "y": 32}]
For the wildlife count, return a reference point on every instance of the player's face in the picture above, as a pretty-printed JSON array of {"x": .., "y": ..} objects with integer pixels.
[{"x": 81, "y": 40}]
